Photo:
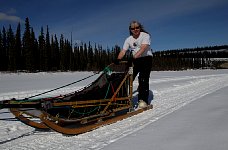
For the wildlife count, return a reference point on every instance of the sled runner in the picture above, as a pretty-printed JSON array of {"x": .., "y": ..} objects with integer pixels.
[{"x": 104, "y": 101}]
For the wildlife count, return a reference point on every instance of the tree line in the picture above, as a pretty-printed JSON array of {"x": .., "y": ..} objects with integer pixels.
[
  {"x": 48, "y": 53},
  {"x": 190, "y": 58}
]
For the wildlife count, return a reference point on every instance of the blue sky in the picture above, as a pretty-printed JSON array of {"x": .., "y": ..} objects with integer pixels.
[{"x": 173, "y": 24}]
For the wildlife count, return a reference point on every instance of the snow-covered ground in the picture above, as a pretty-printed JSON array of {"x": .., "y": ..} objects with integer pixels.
[{"x": 190, "y": 112}]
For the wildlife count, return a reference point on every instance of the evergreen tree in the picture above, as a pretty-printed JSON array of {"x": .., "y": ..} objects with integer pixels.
[
  {"x": 81, "y": 57},
  {"x": 35, "y": 51},
  {"x": 61, "y": 51},
  {"x": 54, "y": 53},
  {"x": 19, "y": 57},
  {"x": 47, "y": 53},
  {"x": 1, "y": 52},
  {"x": 96, "y": 57},
  {"x": 41, "y": 47},
  {"x": 72, "y": 59},
  {"x": 76, "y": 57},
  {"x": 85, "y": 57},
  {"x": 57, "y": 52},
  {"x": 27, "y": 47},
  {"x": 68, "y": 54},
  {"x": 90, "y": 58},
  {"x": 4, "y": 53},
  {"x": 65, "y": 54},
  {"x": 11, "y": 49}
]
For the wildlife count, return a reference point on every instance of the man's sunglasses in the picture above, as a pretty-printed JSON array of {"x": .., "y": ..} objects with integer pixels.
[{"x": 135, "y": 28}]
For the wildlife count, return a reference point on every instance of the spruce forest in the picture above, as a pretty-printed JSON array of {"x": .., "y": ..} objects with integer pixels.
[{"x": 25, "y": 52}]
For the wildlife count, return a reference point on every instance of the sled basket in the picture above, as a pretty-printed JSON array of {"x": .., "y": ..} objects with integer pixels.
[{"x": 107, "y": 97}]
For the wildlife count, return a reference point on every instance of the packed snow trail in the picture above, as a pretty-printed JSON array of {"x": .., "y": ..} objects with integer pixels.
[{"x": 169, "y": 94}]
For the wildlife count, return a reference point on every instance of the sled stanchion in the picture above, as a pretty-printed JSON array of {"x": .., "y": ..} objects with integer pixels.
[
  {"x": 131, "y": 85},
  {"x": 114, "y": 95}
]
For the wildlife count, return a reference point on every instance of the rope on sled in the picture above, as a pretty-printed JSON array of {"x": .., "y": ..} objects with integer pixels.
[{"x": 107, "y": 70}]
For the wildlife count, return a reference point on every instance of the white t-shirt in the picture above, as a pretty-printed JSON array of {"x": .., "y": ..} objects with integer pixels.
[{"x": 134, "y": 44}]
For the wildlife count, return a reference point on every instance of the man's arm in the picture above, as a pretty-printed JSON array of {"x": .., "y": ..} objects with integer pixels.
[{"x": 141, "y": 50}]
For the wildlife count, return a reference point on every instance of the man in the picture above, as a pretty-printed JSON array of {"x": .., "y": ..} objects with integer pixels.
[{"x": 139, "y": 43}]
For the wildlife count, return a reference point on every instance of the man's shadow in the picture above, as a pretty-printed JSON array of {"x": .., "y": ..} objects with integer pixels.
[{"x": 135, "y": 98}]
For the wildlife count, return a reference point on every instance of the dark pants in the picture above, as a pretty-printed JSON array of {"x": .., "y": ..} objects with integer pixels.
[{"x": 142, "y": 66}]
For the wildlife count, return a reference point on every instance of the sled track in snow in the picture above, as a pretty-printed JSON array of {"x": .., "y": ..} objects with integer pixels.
[{"x": 175, "y": 93}]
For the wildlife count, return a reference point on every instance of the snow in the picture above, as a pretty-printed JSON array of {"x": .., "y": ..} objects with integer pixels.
[{"x": 190, "y": 112}]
